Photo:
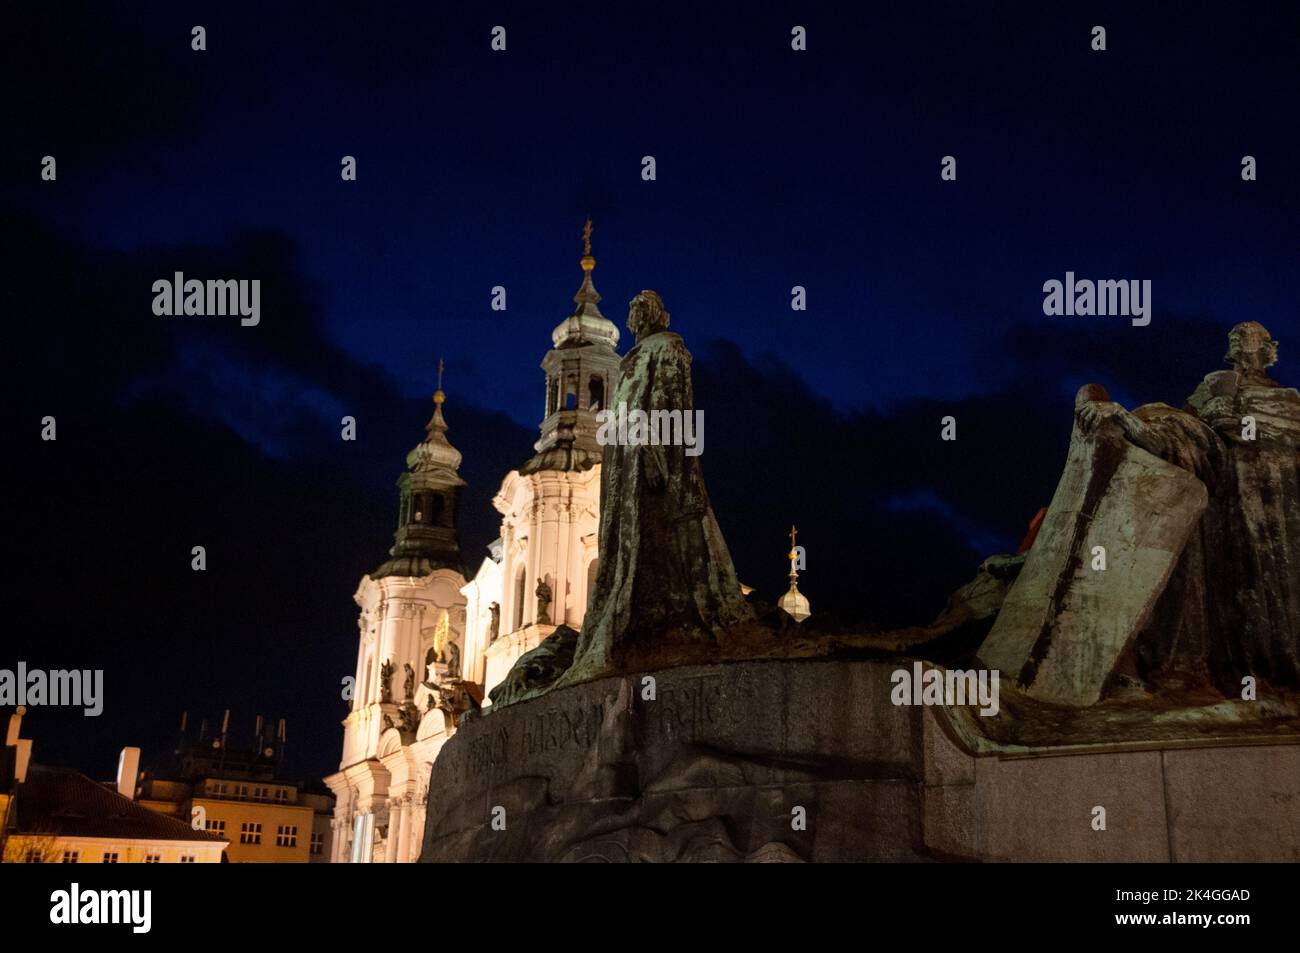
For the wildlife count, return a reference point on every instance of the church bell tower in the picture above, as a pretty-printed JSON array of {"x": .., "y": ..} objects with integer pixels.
[
  {"x": 581, "y": 371},
  {"x": 429, "y": 503}
]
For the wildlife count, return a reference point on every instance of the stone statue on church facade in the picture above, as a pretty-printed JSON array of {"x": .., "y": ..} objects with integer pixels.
[{"x": 544, "y": 597}]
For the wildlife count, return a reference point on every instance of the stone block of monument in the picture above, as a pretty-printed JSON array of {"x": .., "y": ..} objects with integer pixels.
[
  {"x": 1066, "y": 622},
  {"x": 1216, "y": 486}
]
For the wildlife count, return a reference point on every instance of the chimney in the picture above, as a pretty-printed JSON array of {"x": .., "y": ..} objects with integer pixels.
[
  {"x": 128, "y": 768},
  {"x": 22, "y": 746},
  {"x": 15, "y": 726}
]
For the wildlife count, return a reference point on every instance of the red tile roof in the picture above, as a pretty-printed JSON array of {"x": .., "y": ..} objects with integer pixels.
[{"x": 66, "y": 802}]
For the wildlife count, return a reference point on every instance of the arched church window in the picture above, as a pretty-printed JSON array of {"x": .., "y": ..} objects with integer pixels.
[
  {"x": 596, "y": 392},
  {"x": 420, "y": 506},
  {"x": 520, "y": 592},
  {"x": 571, "y": 392},
  {"x": 436, "y": 506}
]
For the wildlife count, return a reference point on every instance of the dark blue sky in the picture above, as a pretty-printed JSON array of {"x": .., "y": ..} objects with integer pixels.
[{"x": 476, "y": 169}]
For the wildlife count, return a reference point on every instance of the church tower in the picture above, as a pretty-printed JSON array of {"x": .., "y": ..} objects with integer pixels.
[
  {"x": 550, "y": 506},
  {"x": 581, "y": 370},
  {"x": 429, "y": 494},
  {"x": 412, "y": 625}
]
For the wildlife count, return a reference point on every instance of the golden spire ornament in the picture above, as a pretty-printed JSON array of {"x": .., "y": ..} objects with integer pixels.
[{"x": 794, "y": 603}]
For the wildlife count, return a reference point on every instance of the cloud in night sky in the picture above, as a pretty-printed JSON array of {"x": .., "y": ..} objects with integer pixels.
[{"x": 924, "y": 298}]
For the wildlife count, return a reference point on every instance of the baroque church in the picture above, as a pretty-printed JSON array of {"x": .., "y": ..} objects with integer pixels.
[{"x": 434, "y": 643}]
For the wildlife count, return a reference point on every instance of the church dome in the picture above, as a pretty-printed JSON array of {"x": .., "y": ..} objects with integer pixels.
[{"x": 434, "y": 452}]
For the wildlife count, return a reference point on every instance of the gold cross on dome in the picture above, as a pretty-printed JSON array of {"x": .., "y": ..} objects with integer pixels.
[
  {"x": 586, "y": 237},
  {"x": 794, "y": 534}
]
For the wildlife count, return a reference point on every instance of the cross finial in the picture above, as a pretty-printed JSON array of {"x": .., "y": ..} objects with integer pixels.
[
  {"x": 438, "y": 395},
  {"x": 794, "y": 534},
  {"x": 586, "y": 237}
]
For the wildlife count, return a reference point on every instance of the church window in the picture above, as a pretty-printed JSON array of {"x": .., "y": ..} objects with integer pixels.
[
  {"x": 595, "y": 392},
  {"x": 571, "y": 392},
  {"x": 520, "y": 592},
  {"x": 435, "y": 510}
]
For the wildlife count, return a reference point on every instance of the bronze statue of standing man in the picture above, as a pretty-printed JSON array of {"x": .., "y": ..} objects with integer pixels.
[{"x": 666, "y": 588}]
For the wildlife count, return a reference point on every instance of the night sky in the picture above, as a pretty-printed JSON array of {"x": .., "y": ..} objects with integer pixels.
[{"x": 775, "y": 168}]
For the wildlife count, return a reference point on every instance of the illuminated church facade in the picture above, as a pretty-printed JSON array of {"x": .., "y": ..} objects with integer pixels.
[{"x": 433, "y": 642}]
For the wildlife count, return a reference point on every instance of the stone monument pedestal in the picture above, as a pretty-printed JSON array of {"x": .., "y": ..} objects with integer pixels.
[{"x": 808, "y": 760}]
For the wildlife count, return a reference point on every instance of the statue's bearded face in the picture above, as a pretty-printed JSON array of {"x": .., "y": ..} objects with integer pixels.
[
  {"x": 1251, "y": 347},
  {"x": 646, "y": 314}
]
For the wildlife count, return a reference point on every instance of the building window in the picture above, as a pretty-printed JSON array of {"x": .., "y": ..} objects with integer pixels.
[
  {"x": 153, "y": 858},
  {"x": 282, "y": 794},
  {"x": 595, "y": 393},
  {"x": 521, "y": 592},
  {"x": 250, "y": 833},
  {"x": 215, "y": 827},
  {"x": 33, "y": 856},
  {"x": 317, "y": 842},
  {"x": 187, "y": 858},
  {"x": 71, "y": 856},
  {"x": 286, "y": 835},
  {"x": 593, "y": 568},
  {"x": 110, "y": 857},
  {"x": 363, "y": 839}
]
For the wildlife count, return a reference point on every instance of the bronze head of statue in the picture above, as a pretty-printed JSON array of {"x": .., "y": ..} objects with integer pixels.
[
  {"x": 646, "y": 315},
  {"x": 1251, "y": 349}
]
